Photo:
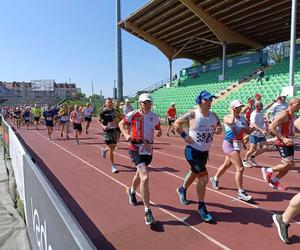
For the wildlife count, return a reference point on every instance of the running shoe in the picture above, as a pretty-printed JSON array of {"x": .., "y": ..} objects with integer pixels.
[
  {"x": 253, "y": 161},
  {"x": 244, "y": 196},
  {"x": 182, "y": 196},
  {"x": 61, "y": 135},
  {"x": 173, "y": 132},
  {"x": 206, "y": 216},
  {"x": 282, "y": 228},
  {"x": 267, "y": 176},
  {"x": 114, "y": 169},
  {"x": 103, "y": 153},
  {"x": 277, "y": 185},
  {"x": 214, "y": 183},
  {"x": 149, "y": 219},
  {"x": 77, "y": 142},
  {"x": 246, "y": 164},
  {"x": 131, "y": 197},
  {"x": 168, "y": 134}
]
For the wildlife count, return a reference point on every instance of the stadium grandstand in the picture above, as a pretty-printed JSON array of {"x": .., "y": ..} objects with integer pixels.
[
  {"x": 207, "y": 31},
  {"x": 36, "y": 91}
]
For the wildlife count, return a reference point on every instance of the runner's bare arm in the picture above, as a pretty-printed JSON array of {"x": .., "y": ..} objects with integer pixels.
[
  {"x": 281, "y": 118},
  {"x": 219, "y": 125},
  {"x": 124, "y": 129},
  {"x": 229, "y": 119},
  {"x": 183, "y": 119}
]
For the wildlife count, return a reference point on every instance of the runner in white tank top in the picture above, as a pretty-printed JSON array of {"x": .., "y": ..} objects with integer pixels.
[{"x": 203, "y": 125}]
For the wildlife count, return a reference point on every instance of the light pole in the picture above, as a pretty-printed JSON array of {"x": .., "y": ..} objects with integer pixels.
[{"x": 92, "y": 87}]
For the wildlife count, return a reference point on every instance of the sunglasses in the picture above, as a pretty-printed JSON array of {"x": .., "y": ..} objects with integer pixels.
[
  {"x": 147, "y": 102},
  {"x": 208, "y": 99}
]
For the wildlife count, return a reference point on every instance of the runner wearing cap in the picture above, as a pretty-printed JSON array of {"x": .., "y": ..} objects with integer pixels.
[
  {"x": 171, "y": 115},
  {"x": 283, "y": 128},
  {"x": 144, "y": 123},
  {"x": 108, "y": 120},
  {"x": 258, "y": 136},
  {"x": 203, "y": 124},
  {"x": 235, "y": 126}
]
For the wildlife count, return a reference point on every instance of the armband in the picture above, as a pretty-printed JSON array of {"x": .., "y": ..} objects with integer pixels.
[{"x": 183, "y": 134}]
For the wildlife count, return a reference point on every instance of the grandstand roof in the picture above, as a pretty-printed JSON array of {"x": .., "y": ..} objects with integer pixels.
[{"x": 196, "y": 29}]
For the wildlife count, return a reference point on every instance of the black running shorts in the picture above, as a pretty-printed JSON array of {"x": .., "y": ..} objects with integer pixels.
[{"x": 197, "y": 159}]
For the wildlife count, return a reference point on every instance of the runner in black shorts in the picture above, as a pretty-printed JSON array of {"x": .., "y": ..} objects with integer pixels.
[
  {"x": 49, "y": 116},
  {"x": 108, "y": 120}
]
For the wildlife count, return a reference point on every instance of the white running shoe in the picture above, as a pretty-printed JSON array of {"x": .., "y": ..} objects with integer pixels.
[{"x": 246, "y": 164}]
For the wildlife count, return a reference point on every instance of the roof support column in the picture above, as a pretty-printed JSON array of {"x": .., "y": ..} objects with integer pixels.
[
  {"x": 224, "y": 62},
  {"x": 293, "y": 42},
  {"x": 171, "y": 73}
]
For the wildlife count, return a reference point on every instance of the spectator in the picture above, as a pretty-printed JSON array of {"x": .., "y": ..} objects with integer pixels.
[
  {"x": 127, "y": 108},
  {"x": 260, "y": 75}
]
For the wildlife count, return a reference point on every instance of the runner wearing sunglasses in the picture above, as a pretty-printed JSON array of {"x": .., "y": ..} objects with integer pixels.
[
  {"x": 143, "y": 124},
  {"x": 203, "y": 124}
]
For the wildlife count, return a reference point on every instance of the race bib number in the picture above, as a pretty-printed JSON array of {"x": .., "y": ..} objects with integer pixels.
[
  {"x": 237, "y": 145},
  {"x": 27, "y": 118},
  {"x": 64, "y": 118},
  {"x": 49, "y": 118},
  {"x": 145, "y": 149},
  {"x": 111, "y": 125}
]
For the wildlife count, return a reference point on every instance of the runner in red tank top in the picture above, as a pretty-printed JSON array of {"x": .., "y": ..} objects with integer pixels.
[{"x": 283, "y": 128}]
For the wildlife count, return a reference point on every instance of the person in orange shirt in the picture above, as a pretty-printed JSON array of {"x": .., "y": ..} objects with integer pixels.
[{"x": 171, "y": 115}]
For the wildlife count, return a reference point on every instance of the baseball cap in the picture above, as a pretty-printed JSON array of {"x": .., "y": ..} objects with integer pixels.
[
  {"x": 204, "y": 95},
  {"x": 126, "y": 100},
  {"x": 236, "y": 103},
  {"x": 172, "y": 103},
  {"x": 145, "y": 97}
]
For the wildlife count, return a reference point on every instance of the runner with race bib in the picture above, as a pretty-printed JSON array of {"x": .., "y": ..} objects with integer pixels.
[
  {"x": 235, "y": 126},
  {"x": 143, "y": 124}
]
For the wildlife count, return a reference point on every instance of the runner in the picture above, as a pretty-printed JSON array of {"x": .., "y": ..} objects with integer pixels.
[
  {"x": 282, "y": 222},
  {"x": 87, "y": 113},
  {"x": 108, "y": 121},
  {"x": 258, "y": 136},
  {"x": 203, "y": 124},
  {"x": 283, "y": 128},
  {"x": 48, "y": 117},
  {"x": 235, "y": 127},
  {"x": 171, "y": 116},
  {"x": 27, "y": 116},
  {"x": 144, "y": 124},
  {"x": 37, "y": 113},
  {"x": 64, "y": 117},
  {"x": 18, "y": 117},
  {"x": 76, "y": 117},
  {"x": 127, "y": 108}
]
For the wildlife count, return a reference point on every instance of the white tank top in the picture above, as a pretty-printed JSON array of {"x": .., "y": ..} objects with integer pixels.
[{"x": 204, "y": 130}]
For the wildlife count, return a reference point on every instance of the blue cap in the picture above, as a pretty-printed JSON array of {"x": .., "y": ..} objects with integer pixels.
[{"x": 204, "y": 95}]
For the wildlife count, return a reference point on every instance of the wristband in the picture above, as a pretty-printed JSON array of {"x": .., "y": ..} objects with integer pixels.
[{"x": 183, "y": 134}]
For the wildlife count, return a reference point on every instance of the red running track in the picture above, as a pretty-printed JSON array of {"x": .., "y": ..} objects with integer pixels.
[{"x": 98, "y": 200}]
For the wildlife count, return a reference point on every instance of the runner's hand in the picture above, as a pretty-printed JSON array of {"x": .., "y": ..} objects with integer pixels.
[
  {"x": 287, "y": 141},
  {"x": 188, "y": 140},
  {"x": 127, "y": 137}
]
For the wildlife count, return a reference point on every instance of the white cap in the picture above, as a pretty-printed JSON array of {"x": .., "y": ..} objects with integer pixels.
[
  {"x": 145, "y": 97},
  {"x": 236, "y": 103},
  {"x": 172, "y": 103},
  {"x": 126, "y": 100}
]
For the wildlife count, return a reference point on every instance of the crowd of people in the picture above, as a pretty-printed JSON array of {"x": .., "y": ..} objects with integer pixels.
[{"x": 260, "y": 127}]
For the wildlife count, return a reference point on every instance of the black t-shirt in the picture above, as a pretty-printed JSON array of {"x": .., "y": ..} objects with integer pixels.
[{"x": 109, "y": 118}]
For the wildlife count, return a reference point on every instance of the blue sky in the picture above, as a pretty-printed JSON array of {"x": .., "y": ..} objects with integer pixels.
[{"x": 63, "y": 39}]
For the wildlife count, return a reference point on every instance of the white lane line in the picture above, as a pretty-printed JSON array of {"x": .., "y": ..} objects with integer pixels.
[{"x": 123, "y": 185}]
